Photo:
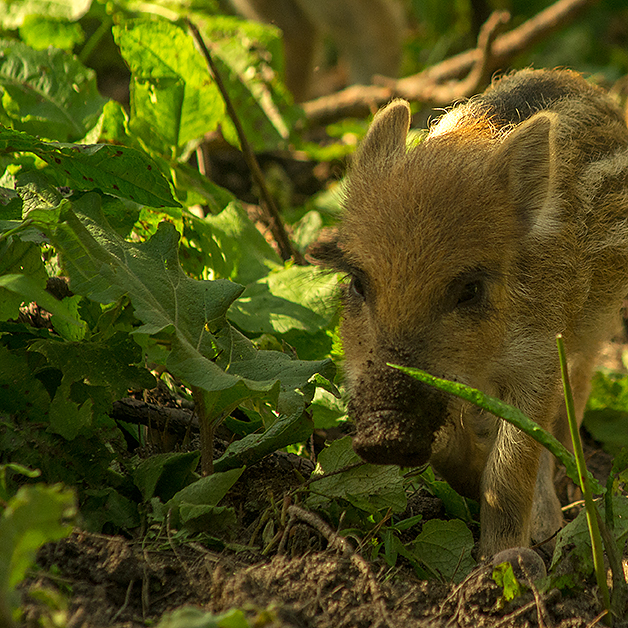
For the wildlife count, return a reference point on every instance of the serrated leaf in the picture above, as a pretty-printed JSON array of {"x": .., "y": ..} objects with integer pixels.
[
  {"x": 117, "y": 170},
  {"x": 445, "y": 548},
  {"x": 61, "y": 102},
  {"x": 205, "y": 350},
  {"x": 174, "y": 101}
]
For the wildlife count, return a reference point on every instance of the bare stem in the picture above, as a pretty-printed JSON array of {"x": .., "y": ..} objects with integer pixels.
[{"x": 275, "y": 223}]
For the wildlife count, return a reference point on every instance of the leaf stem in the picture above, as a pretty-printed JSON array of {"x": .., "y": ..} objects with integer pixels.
[
  {"x": 20, "y": 227},
  {"x": 275, "y": 223}
]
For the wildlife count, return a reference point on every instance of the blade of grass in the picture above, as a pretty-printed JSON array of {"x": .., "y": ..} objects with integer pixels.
[
  {"x": 509, "y": 413},
  {"x": 589, "y": 505}
]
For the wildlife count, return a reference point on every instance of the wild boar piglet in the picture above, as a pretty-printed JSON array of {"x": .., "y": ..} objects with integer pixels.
[{"x": 466, "y": 254}]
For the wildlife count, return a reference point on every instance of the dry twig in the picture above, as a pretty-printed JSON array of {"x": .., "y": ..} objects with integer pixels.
[
  {"x": 427, "y": 86},
  {"x": 275, "y": 224}
]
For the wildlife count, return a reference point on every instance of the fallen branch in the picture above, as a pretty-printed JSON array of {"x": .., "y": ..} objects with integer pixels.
[
  {"x": 428, "y": 86},
  {"x": 139, "y": 412}
]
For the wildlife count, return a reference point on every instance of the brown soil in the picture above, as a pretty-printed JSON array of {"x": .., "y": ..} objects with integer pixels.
[
  {"x": 310, "y": 578},
  {"x": 306, "y": 577}
]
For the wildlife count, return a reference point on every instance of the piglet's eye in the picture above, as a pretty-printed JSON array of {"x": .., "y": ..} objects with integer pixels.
[
  {"x": 357, "y": 287},
  {"x": 470, "y": 293}
]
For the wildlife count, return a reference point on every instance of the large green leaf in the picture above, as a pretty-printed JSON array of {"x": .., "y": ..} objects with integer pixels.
[
  {"x": 174, "y": 101},
  {"x": 47, "y": 92},
  {"x": 117, "y": 170},
  {"x": 205, "y": 350}
]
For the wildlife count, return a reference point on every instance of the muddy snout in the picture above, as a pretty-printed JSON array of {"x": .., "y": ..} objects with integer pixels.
[{"x": 398, "y": 421}]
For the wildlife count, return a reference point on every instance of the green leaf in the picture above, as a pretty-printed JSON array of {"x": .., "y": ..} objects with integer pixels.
[
  {"x": 606, "y": 415},
  {"x": 30, "y": 290},
  {"x": 13, "y": 13},
  {"x": 573, "y": 543},
  {"x": 445, "y": 547},
  {"x": 234, "y": 247},
  {"x": 67, "y": 417},
  {"x": 504, "y": 576},
  {"x": 250, "y": 61},
  {"x": 117, "y": 170},
  {"x": 21, "y": 392},
  {"x": 248, "y": 450},
  {"x": 31, "y": 518},
  {"x": 24, "y": 258},
  {"x": 40, "y": 32},
  {"x": 208, "y": 490},
  {"x": 109, "y": 363},
  {"x": 201, "y": 518},
  {"x": 174, "y": 101},
  {"x": 163, "y": 475},
  {"x": 511, "y": 414},
  {"x": 60, "y": 103},
  {"x": 368, "y": 487},
  {"x": 295, "y": 297},
  {"x": 205, "y": 351},
  {"x": 192, "y": 617},
  {"x": 107, "y": 505}
]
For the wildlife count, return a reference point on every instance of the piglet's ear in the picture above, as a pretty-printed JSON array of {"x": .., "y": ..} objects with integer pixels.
[
  {"x": 386, "y": 137},
  {"x": 526, "y": 154}
]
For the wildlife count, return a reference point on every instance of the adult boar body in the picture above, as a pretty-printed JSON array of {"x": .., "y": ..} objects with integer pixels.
[{"x": 467, "y": 254}]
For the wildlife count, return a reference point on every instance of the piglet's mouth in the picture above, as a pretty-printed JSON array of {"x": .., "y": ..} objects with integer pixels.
[{"x": 392, "y": 437}]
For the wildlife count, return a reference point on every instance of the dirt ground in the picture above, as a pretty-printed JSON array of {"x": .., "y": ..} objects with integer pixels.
[{"x": 308, "y": 579}]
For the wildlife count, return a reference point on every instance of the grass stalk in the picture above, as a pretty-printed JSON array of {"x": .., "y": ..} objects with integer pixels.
[{"x": 589, "y": 505}]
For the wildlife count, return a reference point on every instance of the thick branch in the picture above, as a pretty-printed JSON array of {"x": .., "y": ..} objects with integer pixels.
[{"x": 427, "y": 86}]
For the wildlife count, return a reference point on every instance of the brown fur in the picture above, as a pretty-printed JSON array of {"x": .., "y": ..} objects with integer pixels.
[{"x": 467, "y": 255}]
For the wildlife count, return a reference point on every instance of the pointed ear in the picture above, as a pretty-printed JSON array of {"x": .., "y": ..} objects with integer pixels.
[
  {"x": 386, "y": 137},
  {"x": 527, "y": 156}
]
